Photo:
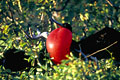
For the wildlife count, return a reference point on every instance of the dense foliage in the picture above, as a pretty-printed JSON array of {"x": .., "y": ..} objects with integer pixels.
[{"x": 20, "y": 20}]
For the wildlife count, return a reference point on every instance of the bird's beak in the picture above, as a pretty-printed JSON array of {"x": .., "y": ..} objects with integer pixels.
[{"x": 59, "y": 24}]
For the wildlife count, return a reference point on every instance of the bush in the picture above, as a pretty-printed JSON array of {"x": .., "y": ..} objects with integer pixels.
[{"x": 20, "y": 21}]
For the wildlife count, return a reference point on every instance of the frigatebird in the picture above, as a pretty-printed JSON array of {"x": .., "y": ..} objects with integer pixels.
[{"x": 99, "y": 45}]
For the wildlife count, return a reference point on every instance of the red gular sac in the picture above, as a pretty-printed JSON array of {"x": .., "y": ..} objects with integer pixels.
[{"x": 58, "y": 43}]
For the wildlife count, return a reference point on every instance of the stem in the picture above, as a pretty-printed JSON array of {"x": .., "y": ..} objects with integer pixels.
[{"x": 102, "y": 49}]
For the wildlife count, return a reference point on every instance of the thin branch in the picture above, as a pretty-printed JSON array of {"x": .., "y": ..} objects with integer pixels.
[
  {"x": 102, "y": 49},
  {"x": 109, "y": 3},
  {"x": 26, "y": 33},
  {"x": 116, "y": 7},
  {"x": 30, "y": 31}
]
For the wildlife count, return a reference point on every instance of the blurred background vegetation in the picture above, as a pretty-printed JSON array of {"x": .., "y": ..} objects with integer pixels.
[{"x": 86, "y": 17}]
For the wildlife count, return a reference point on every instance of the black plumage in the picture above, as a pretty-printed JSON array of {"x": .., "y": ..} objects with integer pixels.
[
  {"x": 106, "y": 38},
  {"x": 68, "y": 26}
]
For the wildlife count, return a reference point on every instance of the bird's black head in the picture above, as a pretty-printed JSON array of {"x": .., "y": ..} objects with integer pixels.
[{"x": 68, "y": 26}]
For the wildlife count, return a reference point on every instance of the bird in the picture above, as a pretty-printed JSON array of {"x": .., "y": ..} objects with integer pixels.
[
  {"x": 14, "y": 59},
  {"x": 98, "y": 45}
]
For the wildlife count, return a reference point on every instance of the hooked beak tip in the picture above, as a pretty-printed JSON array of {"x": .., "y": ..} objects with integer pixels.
[{"x": 59, "y": 24}]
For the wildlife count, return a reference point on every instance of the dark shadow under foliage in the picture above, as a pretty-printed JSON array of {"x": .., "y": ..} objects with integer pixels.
[{"x": 14, "y": 60}]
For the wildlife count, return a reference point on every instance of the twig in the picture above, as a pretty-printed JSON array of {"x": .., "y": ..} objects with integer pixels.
[
  {"x": 116, "y": 7},
  {"x": 30, "y": 31},
  {"x": 102, "y": 49},
  {"x": 109, "y": 3},
  {"x": 26, "y": 33}
]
